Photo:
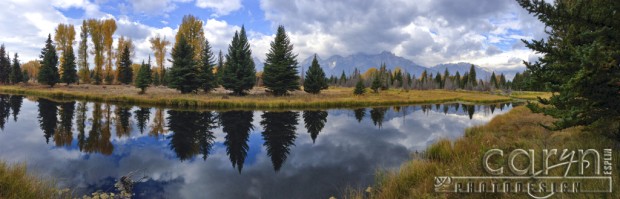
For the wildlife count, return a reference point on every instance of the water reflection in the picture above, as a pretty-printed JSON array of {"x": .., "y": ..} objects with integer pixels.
[
  {"x": 353, "y": 144},
  {"x": 192, "y": 133},
  {"x": 237, "y": 126},
  {"x": 279, "y": 135}
]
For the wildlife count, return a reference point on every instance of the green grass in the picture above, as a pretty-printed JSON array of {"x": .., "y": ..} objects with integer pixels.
[
  {"x": 530, "y": 95},
  {"x": 331, "y": 98},
  {"x": 519, "y": 128}
]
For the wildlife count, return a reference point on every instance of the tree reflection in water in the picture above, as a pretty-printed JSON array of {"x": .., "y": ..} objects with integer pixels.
[
  {"x": 237, "y": 126},
  {"x": 192, "y": 133},
  {"x": 279, "y": 135}
]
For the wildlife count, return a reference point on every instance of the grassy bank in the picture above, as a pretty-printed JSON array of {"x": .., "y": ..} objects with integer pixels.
[
  {"x": 517, "y": 129},
  {"x": 257, "y": 99},
  {"x": 16, "y": 183}
]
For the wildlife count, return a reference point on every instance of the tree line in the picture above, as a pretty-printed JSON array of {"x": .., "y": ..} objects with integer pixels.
[{"x": 195, "y": 65}]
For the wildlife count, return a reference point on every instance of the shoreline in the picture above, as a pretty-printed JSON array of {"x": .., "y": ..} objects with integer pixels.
[{"x": 332, "y": 98}]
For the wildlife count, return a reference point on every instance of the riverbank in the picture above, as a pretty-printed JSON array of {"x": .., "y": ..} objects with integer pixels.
[
  {"x": 517, "y": 129},
  {"x": 256, "y": 99},
  {"x": 15, "y": 182}
]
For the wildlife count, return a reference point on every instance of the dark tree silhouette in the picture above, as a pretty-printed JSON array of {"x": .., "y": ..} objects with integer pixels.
[
  {"x": 16, "y": 104},
  {"x": 237, "y": 126},
  {"x": 64, "y": 133},
  {"x": 192, "y": 133},
  {"x": 142, "y": 117},
  {"x": 279, "y": 135},
  {"x": 47, "y": 117},
  {"x": 315, "y": 121},
  {"x": 5, "y": 110},
  {"x": 377, "y": 115},
  {"x": 123, "y": 114},
  {"x": 359, "y": 114}
]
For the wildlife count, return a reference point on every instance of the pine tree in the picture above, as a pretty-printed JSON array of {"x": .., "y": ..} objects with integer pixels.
[
  {"x": 220, "y": 67},
  {"x": 493, "y": 80},
  {"x": 5, "y": 65},
  {"x": 207, "y": 78},
  {"x": 69, "y": 74},
  {"x": 315, "y": 80},
  {"x": 457, "y": 78},
  {"x": 16, "y": 72},
  {"x": 502, "y": 81},
  {"x": 48, "y": 74},
  {"x": 125, "y": 72},
  {"x": 581, "y": 63},
  {"x": 343, "y": 79},
  {"x": 144, "y": 77},
  {"x": 376, "y": 84},
  {"x": 280, "y": 75},
  {"x": 360, "y": 89},
  {"x": 183, "y": 75},
  {"x": 25, "y": 77},
  {"x": 472, "y": 76},
  {"x": 239, "y": 74}
]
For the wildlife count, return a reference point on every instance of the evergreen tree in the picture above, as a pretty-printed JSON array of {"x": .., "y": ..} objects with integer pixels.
[
  {"x": 48, "y": 74},
  {"x": 280, "y": 75},
  {"x": 183, "y": 75},
  {"x": 5, "y": 65},
  {"x": 494, "y": 81},
  {"x": 315, "y": 80},
  {"x": 207, "y": 78},
  {"x": 457, "y": 78},
  {"x": 581, "y": 63},
  {"x": 144, "y": 77},
  {"x": 502, "y": 81},
  {"x": 220, "y": 67},
  {"x": 438, "y": 81},
  {"x": 125, "y": 72},
  {"x": 314, "y": 122},
  {"x": 279, "y": 135},
  {"x": 472, "y": 76},
  {"x": 16, "y": 72},
  {"x": 343, "y": 79},
  {"x": 25, "y": 77},
  {"x": 376, "y": 84},
  {"x": 360, "y": 89},
  {"x": 239, "y": 74},
  {"x": 69, "y": 74}
]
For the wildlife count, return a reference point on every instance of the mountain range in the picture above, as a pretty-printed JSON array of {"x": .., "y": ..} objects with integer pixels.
[{"x": 336, "y": 64}]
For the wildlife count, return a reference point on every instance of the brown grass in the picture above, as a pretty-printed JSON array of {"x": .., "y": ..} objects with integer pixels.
[
  {"x": 258, "y": 98},
  {"x": 517, "y": 129},
  {"x": 16, "y": 183}
]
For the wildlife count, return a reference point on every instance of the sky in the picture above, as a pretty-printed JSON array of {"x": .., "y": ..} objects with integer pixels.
[{"x": 428, "y": 32}]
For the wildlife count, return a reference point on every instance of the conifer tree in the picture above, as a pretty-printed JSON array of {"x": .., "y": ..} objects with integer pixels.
[
  {"x": 315, "y": 80},
  {"x": 581, "y": 63},
  {"x": 220, "y": 67},
  {"x": 183, "y": 75},
  {"x": 125, "y": 72},
  {"x": 144, "y": 77},
  {"x": 48, "y": 74},
  {"x": 16, "y": 72},
  {"x": 207, "y": 78},
  {"x": 360, "y": 89},
  {"x": 5, "y": 65},
  {"x": 493, "y": 80},
  {"x": 239, "y": 73},
  {"x": 376, "y": 84},
  {"x": 280, "y": 75},
  {"x": 69, "y": 74},
  {"x": 25, "y": 75},
  {"x": 472, "y": 76}
]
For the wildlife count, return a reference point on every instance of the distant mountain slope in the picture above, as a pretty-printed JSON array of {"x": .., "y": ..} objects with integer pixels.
[
  {"x": 334, "y": 65},
  {"x": 462, "y": 68}
]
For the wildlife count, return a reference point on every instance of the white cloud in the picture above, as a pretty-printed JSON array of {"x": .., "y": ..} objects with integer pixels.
[{"x": 220, "y": 7}]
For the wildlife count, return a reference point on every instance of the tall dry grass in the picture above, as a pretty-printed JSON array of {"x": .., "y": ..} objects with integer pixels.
[{"x": 517, "y": 129}]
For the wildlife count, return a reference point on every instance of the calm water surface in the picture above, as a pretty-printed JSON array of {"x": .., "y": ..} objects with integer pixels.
[{"x": 222, "y": 154}]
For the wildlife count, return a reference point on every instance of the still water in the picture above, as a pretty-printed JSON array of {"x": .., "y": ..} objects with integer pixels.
[{"x": 87, "y": 146}]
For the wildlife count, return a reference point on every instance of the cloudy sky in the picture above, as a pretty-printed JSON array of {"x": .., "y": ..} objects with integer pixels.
[{"x": 429, "y": 32}]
